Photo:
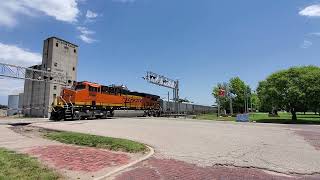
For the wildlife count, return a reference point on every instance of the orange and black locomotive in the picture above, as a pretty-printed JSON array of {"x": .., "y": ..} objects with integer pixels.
[{"x": 91, "y": 100}]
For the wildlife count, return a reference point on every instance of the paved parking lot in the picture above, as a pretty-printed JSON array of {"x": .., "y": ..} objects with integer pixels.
[{"x": 276, "y": 148}]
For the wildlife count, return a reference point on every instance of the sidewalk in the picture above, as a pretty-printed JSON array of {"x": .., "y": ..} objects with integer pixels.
[
  {"x": 7, "y": 120},
  {"x": 16, "y": 142},
  {"x": 72, "y": 162}
]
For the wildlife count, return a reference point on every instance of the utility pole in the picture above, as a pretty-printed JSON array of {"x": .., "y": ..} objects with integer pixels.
[
  {"x": 245, "y": 101},
  {"x": 251, "y": 103},
  {"x": 231, "y": 108},
  {"x": 174, "y": 100},
  {"x": 218, "y": 101},
  {"x": 177, "y": 95},
  {"x": 229, "y": 95},
  {"x": 168, "y": 103}
]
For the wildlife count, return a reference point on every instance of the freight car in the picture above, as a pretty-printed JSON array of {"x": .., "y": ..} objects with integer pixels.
[
  {"x": 186, "y": 108},
  {"x": 86, "y": 100}
]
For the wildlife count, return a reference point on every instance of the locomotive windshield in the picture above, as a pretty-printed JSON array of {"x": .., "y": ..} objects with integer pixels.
[{"x": 80, "y": 87}]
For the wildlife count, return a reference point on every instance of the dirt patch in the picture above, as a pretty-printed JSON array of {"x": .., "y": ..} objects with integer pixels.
[
  {"x": 30, "y": 131},
  {"x": 156, "y": 169}
]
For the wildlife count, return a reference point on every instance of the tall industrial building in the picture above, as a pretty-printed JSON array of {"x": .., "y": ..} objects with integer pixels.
[
  {"x": 13, "y": 105},
  {"x": 59, "y": 56}
]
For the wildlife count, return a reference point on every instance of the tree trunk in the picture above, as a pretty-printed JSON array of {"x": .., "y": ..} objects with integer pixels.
[{"x": 294, "y": 115}]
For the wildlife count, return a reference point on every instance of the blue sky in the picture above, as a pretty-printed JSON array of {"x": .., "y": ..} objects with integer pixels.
[{"x": 199, "y": 42}]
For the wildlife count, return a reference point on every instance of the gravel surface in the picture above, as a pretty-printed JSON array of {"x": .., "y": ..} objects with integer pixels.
[{"x": 205, "y": 143}]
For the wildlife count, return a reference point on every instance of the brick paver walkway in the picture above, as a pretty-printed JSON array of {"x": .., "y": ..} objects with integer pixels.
[
  {"x": 165, "y": 169},
  {"x": 73, "y": 162},
  {"x": 313, "y": 137},
  {"x": 78, "y": 158}
]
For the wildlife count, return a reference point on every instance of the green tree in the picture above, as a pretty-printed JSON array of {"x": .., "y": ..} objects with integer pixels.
[
  {"x": 238, "y": 88},
  {"x": 242, "y": 91},
  {"x": 223, "y": 101},
  {"x": 295, "y": 89},
  {"x": 311, "y": 78},
  {"x": 266, "y": 105},
  {"x": 255, "y": 101}
]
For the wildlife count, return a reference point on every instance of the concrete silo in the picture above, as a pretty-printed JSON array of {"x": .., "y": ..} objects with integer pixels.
[{"x": 13, "y": 105}]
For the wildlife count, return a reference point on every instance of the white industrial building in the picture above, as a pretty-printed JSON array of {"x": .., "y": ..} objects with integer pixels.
[
  {"x": 13, "y": 105},
  {"x": 59, "y": 56}
]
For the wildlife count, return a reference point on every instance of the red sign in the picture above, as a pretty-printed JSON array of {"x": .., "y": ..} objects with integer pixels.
[{"x": 222, "y": 92}]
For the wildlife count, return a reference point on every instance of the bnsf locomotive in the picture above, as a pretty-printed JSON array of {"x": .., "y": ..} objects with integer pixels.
[{"x": 91, "y": 100}]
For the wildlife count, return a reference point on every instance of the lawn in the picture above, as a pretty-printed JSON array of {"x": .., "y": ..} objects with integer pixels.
[
  {"x": 80, "y": 139},
  {"x": 21, "y": 166},
  {"x": 284, "y": 118}
]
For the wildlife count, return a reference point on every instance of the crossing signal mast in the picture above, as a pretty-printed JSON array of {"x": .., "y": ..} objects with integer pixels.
[
  {"x": 163, "y": 81},
  {"x": 225, "y": 92}
]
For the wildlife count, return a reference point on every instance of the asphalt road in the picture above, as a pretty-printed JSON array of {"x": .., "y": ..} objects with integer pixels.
[{"x": 205, "y": 143}]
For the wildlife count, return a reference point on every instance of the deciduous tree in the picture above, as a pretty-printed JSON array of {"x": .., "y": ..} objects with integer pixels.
[{"x": 295, "y": 89}]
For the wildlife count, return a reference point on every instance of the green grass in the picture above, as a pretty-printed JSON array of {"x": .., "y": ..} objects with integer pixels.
[
  {"x": 80, "y": 139},
  {"x": 284, "y": 118},
  {"x": 21, "y": 166}
]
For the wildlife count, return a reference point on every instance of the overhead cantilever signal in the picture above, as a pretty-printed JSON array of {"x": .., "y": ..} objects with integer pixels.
[
  {"x": 160, "y": 80},
  {"x": 19, "y": 72}
]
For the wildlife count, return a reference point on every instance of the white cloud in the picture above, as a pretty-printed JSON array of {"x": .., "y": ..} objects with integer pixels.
[
  {"x": 306, "y": 44},
  {"x": 61, "y": 10},
  {"x": 311, "y": 11},
  {"x": 315, "y": 34},
  {"x": 87, "y": 39},
  {"x": 85, "y": 34},
  {"x": 91, "y": 14},
  {"x": 10, "y": 86},
  {"x": 85, "y": 30},
  {"x": 12, "y": 54}
]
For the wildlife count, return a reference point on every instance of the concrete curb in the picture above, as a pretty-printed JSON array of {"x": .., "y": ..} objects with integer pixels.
[{"x": 127, "y": 165}]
